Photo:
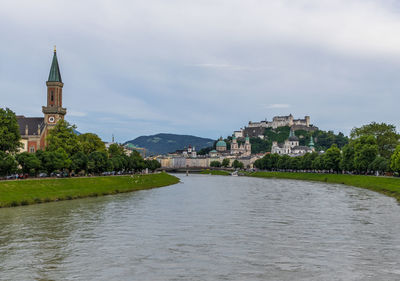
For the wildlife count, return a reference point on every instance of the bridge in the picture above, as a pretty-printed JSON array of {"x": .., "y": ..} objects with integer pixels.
[{"x": 192, "y": 169}]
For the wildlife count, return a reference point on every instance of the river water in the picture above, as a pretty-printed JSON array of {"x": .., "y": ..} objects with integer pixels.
[{"x": 207, "y": 228}]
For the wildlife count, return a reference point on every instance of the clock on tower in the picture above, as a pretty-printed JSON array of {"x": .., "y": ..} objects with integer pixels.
[{"x": 54, "y": 111}]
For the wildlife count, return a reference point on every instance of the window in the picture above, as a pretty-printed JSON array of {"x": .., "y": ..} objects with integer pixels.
[
  {"x": 32, "y": 149},
  {"x": 52, "y": 95}
]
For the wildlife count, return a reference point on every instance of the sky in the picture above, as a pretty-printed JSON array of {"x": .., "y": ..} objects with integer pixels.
[{"x": 204, "y": 67}]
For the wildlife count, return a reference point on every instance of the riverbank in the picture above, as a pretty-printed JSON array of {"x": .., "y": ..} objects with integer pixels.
[
  {"x": 385, "y": 185},
  {"x": 26, "y": 192}
]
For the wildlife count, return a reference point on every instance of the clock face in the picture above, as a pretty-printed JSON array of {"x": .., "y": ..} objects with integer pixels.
[{"x": 52, "y": 119}]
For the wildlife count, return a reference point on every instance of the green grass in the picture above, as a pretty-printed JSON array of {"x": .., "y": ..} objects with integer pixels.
[
  {"x": 25, "y": 192},
  {"x": 386, "y": 185},
  {"x": 215, "y": 172}
]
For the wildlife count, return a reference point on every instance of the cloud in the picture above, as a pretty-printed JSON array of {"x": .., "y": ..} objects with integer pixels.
[
  {"x": 278, "y": 105},
  {"x": 204, "y": 67}
]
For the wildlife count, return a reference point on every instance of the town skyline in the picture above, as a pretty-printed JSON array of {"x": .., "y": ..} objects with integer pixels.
[{"x": 194, "y": 79}]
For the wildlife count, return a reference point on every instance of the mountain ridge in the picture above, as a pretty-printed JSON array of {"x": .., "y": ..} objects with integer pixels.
[{"x": 164, "y": 143}]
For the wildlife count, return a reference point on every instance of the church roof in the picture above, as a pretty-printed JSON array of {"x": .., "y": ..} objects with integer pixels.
[
  {"x": 311, "y": 143},
  {"x": 32, "y": 122},
  {"x": 54, "y": 75},
  {"x": 292, "y": 136},
  {"x": 221, "y": 143}
]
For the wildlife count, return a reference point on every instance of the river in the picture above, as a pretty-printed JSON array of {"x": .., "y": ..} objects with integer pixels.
[{"x": 207, "y": 228}]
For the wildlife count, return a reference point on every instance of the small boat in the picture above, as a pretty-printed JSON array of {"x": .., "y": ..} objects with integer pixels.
[{"x": 234, "y": 174}]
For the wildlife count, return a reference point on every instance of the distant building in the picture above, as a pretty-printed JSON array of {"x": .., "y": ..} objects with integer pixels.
[
  {"x": 257, "y": 129},
  {"x": 242, "y": 150},
  {"x": 291, "y": 146},
  {"x": 221, "y": 145},
  {"x": 34, "y": 130}
]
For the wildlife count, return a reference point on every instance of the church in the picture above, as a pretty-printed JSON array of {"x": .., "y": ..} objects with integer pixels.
[
  {"x": 291, "y": 146},
  {"x": 34, "y": 130}
]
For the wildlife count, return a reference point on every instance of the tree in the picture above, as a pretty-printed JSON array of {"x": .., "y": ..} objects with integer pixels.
[
  {"x": 347, "y": 161},
  {"x": 215, "y": 164},
  {"x": 307, "y": 160},
  {"x": 225, "y": 162},
  {"x": 237, "y": 164},
  {"x": 259, "y": 145},
  {"x": 318, "y": 163},
  {"x": 9, "y": 131},
  {"x": 79, "y": 162},
  {"x": 332, "y": 158},
  {"x": 98, "y": 162},
  {"x": 152, "y": 165},
  {"x": 385, "y": 134},
  {"x": 91, "y": 142},
  {"x": 294, "y": 163},
  {"x": 365, "y": 151},
  {"x": 136, "y": 162},
  {"x": 29, "y": 163},
  {"x": 52, "y": 161},
  {"x": 395, "y": 160},
  {"x": 118, "y": 163},
  {"x": 380, "y": 164},
  {"x": 284, "y": 162},
  {"x": 8, "y": 164},
  {"x": 115, "y": 150},
  {"x": 63, "y": 136}
]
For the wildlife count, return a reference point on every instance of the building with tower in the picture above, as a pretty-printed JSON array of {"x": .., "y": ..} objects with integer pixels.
[
  {"x": 221, "y": 145},
  {"x": 34, "y": 130},
  {"x": 291, "y": 146},
  {"x": 243, "y": 149}
]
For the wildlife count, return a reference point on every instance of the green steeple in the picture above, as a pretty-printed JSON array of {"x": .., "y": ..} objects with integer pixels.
[
  {"x": 54, "y": 75},
  {"x": 311, "y": 143}
]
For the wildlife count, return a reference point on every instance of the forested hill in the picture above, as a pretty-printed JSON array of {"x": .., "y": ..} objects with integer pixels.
[{"x": 165, "y": 143}]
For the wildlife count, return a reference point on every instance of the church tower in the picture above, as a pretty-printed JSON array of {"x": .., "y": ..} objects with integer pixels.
[{"x": 54, "y": 111}]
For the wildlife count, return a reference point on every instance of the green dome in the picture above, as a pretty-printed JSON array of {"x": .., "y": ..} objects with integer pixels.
[{"x": 221, "y": 143}]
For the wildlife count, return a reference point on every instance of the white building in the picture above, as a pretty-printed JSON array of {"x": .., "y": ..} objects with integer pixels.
[{"x": 291, "y": 146}]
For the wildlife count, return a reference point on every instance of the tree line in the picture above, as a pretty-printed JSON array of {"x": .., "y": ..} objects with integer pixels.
[
  {"x": 372, "y": 148},
  {"x": 66, "y": 152}
]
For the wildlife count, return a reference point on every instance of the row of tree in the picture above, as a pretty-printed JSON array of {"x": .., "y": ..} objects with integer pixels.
[
  {"x": 66, "y": 152},
  {"x": 372, "y": 148}
]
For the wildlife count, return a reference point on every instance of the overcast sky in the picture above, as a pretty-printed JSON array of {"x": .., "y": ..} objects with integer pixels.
[{"x": 203, "y": 67}]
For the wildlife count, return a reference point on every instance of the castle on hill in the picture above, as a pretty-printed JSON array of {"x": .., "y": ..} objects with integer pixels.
[
  {"x": 257, "y": 129},
  {"x": 34, "y": 130}
]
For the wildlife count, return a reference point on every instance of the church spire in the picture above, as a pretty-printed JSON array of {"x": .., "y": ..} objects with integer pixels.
[{"x": 54, "y": 75}]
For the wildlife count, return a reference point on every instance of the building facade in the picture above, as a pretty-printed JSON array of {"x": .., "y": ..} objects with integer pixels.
[
  {"x": 34, "y": 130},
  {"x": 243, "y": 149},
  {"x": 291, "y": 146}
]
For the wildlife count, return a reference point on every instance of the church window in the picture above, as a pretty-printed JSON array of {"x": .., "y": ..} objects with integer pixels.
[{"x": 52, "y": 96}]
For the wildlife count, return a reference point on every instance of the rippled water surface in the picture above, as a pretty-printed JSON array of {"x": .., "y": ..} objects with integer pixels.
[{"x": 207, "y": 228}]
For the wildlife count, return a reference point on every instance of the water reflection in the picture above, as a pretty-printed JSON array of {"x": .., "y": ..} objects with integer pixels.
[{"x": 208, "y": 228}]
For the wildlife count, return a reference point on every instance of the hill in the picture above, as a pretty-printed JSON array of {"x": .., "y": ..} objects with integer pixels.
[{"x": 165, "y": 143}]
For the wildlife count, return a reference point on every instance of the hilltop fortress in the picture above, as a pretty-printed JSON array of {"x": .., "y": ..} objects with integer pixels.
[{"x": 256, "y": 129}]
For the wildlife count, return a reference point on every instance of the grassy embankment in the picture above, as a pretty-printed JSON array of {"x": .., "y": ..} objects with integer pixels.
[
  {"x": 386, "y": 185},
  {"x": 215, "y": 172},
  {"x": 25, "y": 192}
]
